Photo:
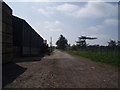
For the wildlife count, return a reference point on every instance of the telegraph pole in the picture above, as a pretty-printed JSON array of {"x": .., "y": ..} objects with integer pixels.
[
  {"x": 50, "y": 41},
  {"x": 51, "y": 44}
]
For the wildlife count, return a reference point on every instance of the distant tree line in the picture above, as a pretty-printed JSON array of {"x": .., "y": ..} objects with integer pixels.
[{"x": 81, "y": 44}]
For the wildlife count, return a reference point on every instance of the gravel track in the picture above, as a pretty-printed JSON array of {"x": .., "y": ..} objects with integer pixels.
[{"x": 62, "y": 70}]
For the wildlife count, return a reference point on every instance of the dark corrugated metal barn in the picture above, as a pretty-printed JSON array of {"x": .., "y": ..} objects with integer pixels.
[
  {"x": 19, "y": 38},
  {"x": 26, "y": 41},
  {"x": 7, "y": 34}
]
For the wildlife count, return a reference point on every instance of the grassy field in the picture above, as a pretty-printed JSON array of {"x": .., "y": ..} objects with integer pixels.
[{"x": 108, "y": 58}]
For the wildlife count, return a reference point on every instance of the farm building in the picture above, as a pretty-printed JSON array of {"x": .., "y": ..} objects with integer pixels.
[
  {"x": 26, "y": 41},
  {"x": 19, "y": 39},
  {"x": 7, "y": 34}
]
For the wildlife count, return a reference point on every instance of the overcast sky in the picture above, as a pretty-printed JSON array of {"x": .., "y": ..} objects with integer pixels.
[{"x": 71, "y": 19}]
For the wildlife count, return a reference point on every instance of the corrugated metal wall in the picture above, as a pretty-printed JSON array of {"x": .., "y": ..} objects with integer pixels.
[
  {"x": 26, "y": 34},
  {"x": 17, "y": 33},
  {"x": 7, "y": 34},
  {"x": 18, "y": 37},
  {"x": 29, "y": 41}
]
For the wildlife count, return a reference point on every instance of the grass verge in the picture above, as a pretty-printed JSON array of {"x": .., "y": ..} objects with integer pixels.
[{"x": 108, "y": 58}]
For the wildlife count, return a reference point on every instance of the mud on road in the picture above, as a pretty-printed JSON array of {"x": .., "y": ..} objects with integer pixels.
[{"x": 62, "y": 70}]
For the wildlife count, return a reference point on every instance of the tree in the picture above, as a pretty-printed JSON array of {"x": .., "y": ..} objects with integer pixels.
[
  {"x": 73, "y": 47},
  {"x": 118, "y": 43},
  {"x": 62, "y": 43},
  {"x": 82, "y": 41},
  {"x": 112, "y": 43}
]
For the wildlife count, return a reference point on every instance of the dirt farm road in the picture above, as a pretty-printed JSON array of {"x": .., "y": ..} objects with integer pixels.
[{"x": 62, "y": 70}]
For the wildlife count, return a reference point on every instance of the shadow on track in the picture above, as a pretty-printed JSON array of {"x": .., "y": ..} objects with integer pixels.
[{"x": 10, "y": 72}]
